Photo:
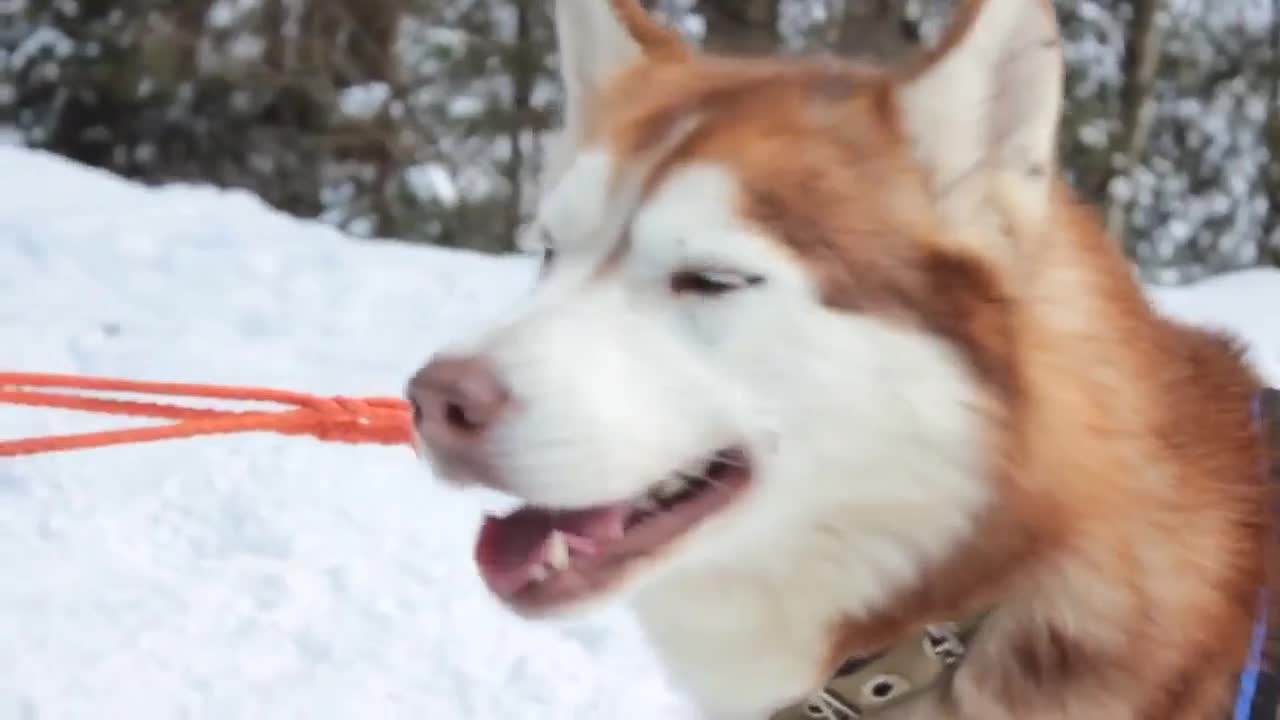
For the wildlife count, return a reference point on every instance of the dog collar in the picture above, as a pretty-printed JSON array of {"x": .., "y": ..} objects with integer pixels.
[{"x": 866, "y": 685}]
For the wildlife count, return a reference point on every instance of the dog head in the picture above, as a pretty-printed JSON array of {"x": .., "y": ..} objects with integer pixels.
[{"x": 773, "y": 317}]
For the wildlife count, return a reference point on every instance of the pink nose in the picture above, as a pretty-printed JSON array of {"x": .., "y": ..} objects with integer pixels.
[{"x": 455, "y": 401}]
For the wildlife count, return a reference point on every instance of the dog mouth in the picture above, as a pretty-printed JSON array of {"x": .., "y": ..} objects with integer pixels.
[{"x": 536, "y": 559}]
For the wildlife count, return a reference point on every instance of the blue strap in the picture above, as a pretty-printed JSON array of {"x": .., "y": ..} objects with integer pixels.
[
  {"x": 1247, "y": 697},
  {"x": 1253, "y": 665}
]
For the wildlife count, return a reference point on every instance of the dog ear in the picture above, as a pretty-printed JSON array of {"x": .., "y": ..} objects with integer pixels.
[
  {"x": 596, "y": 40},
  {"x": 983, "y": 109}
]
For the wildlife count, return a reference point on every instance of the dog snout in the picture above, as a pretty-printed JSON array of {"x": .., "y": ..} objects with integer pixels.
[{"x": 456, "y": 401}]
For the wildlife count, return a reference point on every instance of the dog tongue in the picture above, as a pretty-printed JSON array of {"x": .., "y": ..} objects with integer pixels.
[{"x": 510, "y": 547}]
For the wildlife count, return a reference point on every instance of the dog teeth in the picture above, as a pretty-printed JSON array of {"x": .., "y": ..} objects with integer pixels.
[
  {"x": 581, "y": 546},
  {"x": 539, "y": 573},
  {"x": 557, "y": 551},
  {"x": 670, "y": 487},
  {"x": 647, "y": 504},
  {"x": 557, "y": 555}
]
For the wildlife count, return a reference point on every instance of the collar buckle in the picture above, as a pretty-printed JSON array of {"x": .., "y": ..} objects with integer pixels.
[
  {"x": 864, "y": 686},
  {"x": 828, "y": 705}
]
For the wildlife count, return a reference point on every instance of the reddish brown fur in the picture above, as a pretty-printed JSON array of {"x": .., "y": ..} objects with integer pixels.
[{"x": 1131, "y": 502}]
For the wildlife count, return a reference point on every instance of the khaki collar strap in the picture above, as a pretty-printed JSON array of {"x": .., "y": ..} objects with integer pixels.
[{"x": 864, "y": 686}]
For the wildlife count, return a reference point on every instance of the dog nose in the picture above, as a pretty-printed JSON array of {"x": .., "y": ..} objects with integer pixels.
[{"x": 455, "y": 400}]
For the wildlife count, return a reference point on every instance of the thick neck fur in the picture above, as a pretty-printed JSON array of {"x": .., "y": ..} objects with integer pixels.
[
  {"x": 1137, "y": 430},
  {"x": 1136, "y": 472},
  {"x": 1122, "y": 556}
]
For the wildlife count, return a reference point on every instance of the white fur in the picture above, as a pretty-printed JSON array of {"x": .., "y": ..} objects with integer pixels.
[
  {"x": 985, "y": 114},
  {"x": 867, "y": 451},
  {"x": 592, "y": 46}
]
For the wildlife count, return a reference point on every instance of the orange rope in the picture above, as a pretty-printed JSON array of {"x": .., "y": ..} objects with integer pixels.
[{"x": 384, "y": 421}]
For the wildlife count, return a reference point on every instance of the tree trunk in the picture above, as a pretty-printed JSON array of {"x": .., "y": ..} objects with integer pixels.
[
  {"x": 1269, "y": 240},
  {"x": 525, "y": 67},
  {"x": 1142, "y": 62}
]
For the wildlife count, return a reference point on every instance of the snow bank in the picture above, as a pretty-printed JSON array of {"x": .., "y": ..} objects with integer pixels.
[
  {"x": 266, "y": 577},
  {"x": 253, "y": 577},
  {"x": 1246, "y": 304}
]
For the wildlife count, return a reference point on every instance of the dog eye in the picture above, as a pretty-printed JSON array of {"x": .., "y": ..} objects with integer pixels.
[{"x": 712, "y": 282}]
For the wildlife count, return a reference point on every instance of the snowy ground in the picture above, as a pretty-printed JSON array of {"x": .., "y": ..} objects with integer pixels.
[{"x": 264, "y": 577}]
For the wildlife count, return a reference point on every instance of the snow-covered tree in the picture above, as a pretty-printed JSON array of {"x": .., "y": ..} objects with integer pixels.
[{"x": 424, "y": 120}]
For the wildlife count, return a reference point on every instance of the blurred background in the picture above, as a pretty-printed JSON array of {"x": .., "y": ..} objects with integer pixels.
[{"x": 422, "y": 120}]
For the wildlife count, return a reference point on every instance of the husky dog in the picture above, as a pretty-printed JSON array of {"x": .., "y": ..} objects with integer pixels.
[{"x": 822, "y": 353}]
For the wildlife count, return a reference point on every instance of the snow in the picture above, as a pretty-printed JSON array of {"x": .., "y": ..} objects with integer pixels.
[
  {"x": 260, "y": 576},
  {"x": 1243, "y": 303},
  {"x": 253, "y": 576},
  {"x": 364, "y": 101}
]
